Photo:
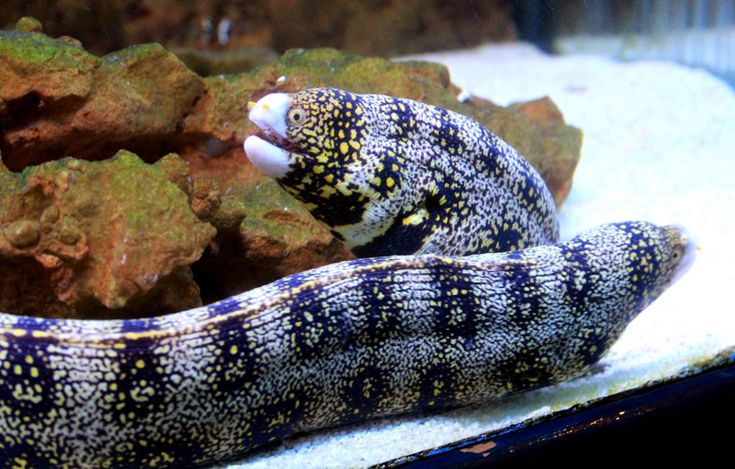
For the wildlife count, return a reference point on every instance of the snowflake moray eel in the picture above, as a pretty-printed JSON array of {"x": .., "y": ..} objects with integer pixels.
[{"x": 433, "y": 319}]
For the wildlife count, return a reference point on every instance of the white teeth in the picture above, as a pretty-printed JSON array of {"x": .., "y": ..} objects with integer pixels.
[
  {"x": 270, "y": 159},
  {"x": 269, "y": 113}
]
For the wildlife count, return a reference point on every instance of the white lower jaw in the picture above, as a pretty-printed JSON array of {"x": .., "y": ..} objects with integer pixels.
[{"x": 270, "y": 159}]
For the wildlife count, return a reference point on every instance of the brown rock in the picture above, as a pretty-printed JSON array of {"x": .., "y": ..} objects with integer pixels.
[
  {"x": 98, "y": 237},
  {"x": 29, "y": 25},
  {"x": 22, "y": 233},
  {"x": 63, "y": 101},
  {"x": 387, "y": 27},
  {"x": 41, "y": 70},
  {"x": 208, "y": 62}
]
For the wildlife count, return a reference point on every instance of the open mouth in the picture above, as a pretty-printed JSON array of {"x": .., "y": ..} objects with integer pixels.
[
  {"x": 276, "y": 140},
  {"x": 271, "y": 137},
  {"x": 269, "y": 150},
  {"x": 272, "y": 159}
]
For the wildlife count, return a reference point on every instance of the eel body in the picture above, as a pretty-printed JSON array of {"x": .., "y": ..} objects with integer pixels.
[
  {"x": 395, "y": 176},
  {"x": 334, "y": 345},
  {"x": 440, "y": 325}
]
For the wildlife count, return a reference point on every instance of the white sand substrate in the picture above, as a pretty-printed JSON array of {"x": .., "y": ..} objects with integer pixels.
[{"x": 659, "y": 145}]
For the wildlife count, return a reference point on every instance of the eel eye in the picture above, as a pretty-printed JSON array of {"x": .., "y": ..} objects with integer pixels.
[{"x": 296, "y": 116}]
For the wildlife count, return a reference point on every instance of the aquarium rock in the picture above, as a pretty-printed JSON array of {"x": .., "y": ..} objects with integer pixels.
[{"x": 97, "y": 239}]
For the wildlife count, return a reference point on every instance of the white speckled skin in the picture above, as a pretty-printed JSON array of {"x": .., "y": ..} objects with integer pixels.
[
  {"x": 395, "y": 176},
  {"x": 339, "y": 344},
  {"x": 334, "y": 345}
]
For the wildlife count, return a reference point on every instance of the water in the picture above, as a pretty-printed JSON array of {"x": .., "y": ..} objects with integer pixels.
[{"x": 648, "y": 81}]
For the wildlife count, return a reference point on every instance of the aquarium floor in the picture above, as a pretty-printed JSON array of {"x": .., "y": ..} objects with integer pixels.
[{"x": 658, "y": 145}]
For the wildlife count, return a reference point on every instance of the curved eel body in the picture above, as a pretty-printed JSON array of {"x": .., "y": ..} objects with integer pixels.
[
  {"x": 349, "y": 341},
  {"x": 334, "y": 345},
  {"x": 395, "y": 176}
]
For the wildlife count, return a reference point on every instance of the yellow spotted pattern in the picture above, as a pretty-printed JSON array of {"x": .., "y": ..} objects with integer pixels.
[{"x": 334, "y": 345}]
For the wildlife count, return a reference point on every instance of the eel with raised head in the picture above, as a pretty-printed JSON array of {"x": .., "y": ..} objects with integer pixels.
[
  {"x": 349, "y": 341},
  {"x": 395, "y": 176}
]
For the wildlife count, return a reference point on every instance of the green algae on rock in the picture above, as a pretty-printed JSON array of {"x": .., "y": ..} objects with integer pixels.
[
  {"x": 102, "y": 236},
  {"x": 50, "y": 68},
  {"x": 150, "y": 88},
  {"x": 62, "y": 100}
]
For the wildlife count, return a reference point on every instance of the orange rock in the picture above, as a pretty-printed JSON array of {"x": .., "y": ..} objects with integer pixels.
[{"x": 105, "y": 238}]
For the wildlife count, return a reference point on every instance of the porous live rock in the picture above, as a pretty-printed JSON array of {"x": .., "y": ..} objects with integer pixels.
[
  {"x": 81, "y": 239},
  {"x": 64, "y": 101}
]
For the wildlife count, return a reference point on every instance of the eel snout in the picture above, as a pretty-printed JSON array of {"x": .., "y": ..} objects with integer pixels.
[{"x": 267, "y": 150}]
